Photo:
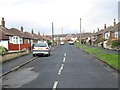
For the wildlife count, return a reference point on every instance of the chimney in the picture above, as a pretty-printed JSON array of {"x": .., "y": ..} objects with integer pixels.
[
  {"x": 38, "y": 33},
  {"x": 3, "y": 22},
  {"x": 104, "y": 26},
  {"x": 32, "y": 31},
  {"x": 114, "y": 22},
  {"x": 98, "y": 30},
  {"x": 21, "y": 29}
]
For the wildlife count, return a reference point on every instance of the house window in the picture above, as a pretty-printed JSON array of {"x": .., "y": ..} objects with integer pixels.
[
  {"x": 13, "y": 40},
  {"x": 10, "y": 39}
]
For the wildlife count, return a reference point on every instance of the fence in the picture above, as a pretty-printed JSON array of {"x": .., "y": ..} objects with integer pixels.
[{"x": 12, "y": 47}]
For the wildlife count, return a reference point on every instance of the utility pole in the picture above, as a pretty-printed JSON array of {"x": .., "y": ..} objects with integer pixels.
[
  {"x": 62, "y": 30},
  {"x": 52, "y": 34},
  {"x": 80, "y": 30}
]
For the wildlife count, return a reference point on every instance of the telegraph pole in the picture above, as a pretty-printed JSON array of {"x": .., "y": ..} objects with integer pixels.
[
  {"x": 62, "y": 30},
  {"x": 52, "y": 34},
  {"x": 80, "y": 30}
]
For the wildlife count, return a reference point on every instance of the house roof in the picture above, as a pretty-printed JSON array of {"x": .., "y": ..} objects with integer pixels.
[
  {"x": 6, "y": 31},
  {"x": 45, "y": 38},
  {"x": 2, "y": 36},
  {"x": 37, "y": 36},
  {"x": 108, "y": 29},
  {"x": 29, "y": 35},
  {"x": 17, "y": 32},
  {"x": 100, "y": 32},
  {"x": 116, "y": 27}
]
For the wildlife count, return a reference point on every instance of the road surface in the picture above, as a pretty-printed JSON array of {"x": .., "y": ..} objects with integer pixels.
[{"x": 67, "y": 67}]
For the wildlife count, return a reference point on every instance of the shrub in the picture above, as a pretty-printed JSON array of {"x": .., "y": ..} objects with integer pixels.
[
  {"x": 100, "y": 40},
  {"x": 3, "y": 50},
  {"x": 116, "y": 43},
  {"x": 24, "y": 49},
  {"x": 49, "y": 42}
]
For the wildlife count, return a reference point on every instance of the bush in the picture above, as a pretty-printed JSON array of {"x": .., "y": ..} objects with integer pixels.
[
  {"x": 116, "y": 43},
  {"x": 100, "y": 40},
  {"x": 3, "y": 50},
  {"x": 49, "y": 43}
]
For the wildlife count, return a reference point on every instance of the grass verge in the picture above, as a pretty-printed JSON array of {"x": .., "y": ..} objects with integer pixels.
[
  {"x": 94, "y": 50},
  {"x": 111, "y": 59},
  {"x": 80, "y": 46}
]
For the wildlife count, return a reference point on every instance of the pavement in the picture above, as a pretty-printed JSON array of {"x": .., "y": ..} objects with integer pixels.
[
  {"x": 67, "y": 67},
  {"x": 7, "y": 66},
  {"x": 104, "y": 49}
]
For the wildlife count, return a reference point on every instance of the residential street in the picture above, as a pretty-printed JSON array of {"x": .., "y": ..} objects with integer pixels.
[{"x": 66, "y": 67}]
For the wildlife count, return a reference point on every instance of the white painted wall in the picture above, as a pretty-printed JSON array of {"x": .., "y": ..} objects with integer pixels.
[
  {"x": 116, "y": 34},
  {"x": 107, "y": 35},
  {"x": 4, "y": 43}
]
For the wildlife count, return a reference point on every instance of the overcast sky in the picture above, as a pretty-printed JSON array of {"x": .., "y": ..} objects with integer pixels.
[{"x": 39, "y": 14}]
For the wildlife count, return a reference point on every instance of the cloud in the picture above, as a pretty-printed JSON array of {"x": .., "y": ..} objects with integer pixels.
[{"x": 39, "y": 14}]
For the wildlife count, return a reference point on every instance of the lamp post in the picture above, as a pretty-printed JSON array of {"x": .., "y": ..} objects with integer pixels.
[
  {"x": 52, "y": 34},
  {"x": 80, "y": 30}
]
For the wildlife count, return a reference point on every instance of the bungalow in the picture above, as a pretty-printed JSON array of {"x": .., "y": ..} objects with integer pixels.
[
  {"x": 3, "y": 39},
  {"x": 37, "y": 38},
  {"x": 112, "y": 31},
  {"x": 115, "y": 31},
  {"x": 17, "y": 39},
  {"x": 71, "y": 37},
  {"x": 99, "y": 34}
]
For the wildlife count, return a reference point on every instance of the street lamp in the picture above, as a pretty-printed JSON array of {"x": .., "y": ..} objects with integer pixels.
[
  {"x": 80, "y": 30},
  {"x": 52, "y": 34}
]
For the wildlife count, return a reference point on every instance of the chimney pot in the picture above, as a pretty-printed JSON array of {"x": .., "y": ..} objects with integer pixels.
[
  {"x": 105, "y": 26},
  {"x": 38, "y": 33},
  {"x": 3, "y": 18},
  {"x": 98, "y": 29},
  {"x": 114, "y": 21},
  {"x": 32, "y": 31},
  {"x": 3, "y": 22},
  {"x": 21, "y": 29}
]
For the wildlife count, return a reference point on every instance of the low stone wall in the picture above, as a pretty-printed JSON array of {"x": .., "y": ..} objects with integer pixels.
[{"x": 11, "y": 55}]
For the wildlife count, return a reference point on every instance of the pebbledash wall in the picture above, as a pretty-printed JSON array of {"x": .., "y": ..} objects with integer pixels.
[{"x": 14, "y": 47}]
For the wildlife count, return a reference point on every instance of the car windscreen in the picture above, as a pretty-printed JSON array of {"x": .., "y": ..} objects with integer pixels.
[{"x": 40, "y": 45}]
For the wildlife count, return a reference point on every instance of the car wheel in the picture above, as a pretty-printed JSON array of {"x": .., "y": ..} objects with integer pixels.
[{"x": 34, "y": 55}]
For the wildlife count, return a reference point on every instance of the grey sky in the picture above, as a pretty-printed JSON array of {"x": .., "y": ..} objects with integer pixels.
[{"x": 39, "y": 14}]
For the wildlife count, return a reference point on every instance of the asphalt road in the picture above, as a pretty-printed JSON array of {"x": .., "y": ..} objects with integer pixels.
[{"x": 67, "y": 67}]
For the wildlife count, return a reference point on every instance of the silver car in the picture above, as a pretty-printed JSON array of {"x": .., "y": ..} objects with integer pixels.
[{"x": 41, "y": 49}]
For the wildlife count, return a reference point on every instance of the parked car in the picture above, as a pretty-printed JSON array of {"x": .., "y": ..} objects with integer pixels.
[
  {"x": 71, "y": 43},
  {"x": 62, "y": 43},
  {"x": 41, "y": 49}
]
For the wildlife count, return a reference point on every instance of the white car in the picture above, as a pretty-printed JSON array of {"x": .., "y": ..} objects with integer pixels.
[
  {"x": 41, "y": 49},
  {"x": 61, "y": 43},
  {"x": 71, "y": 42}
]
